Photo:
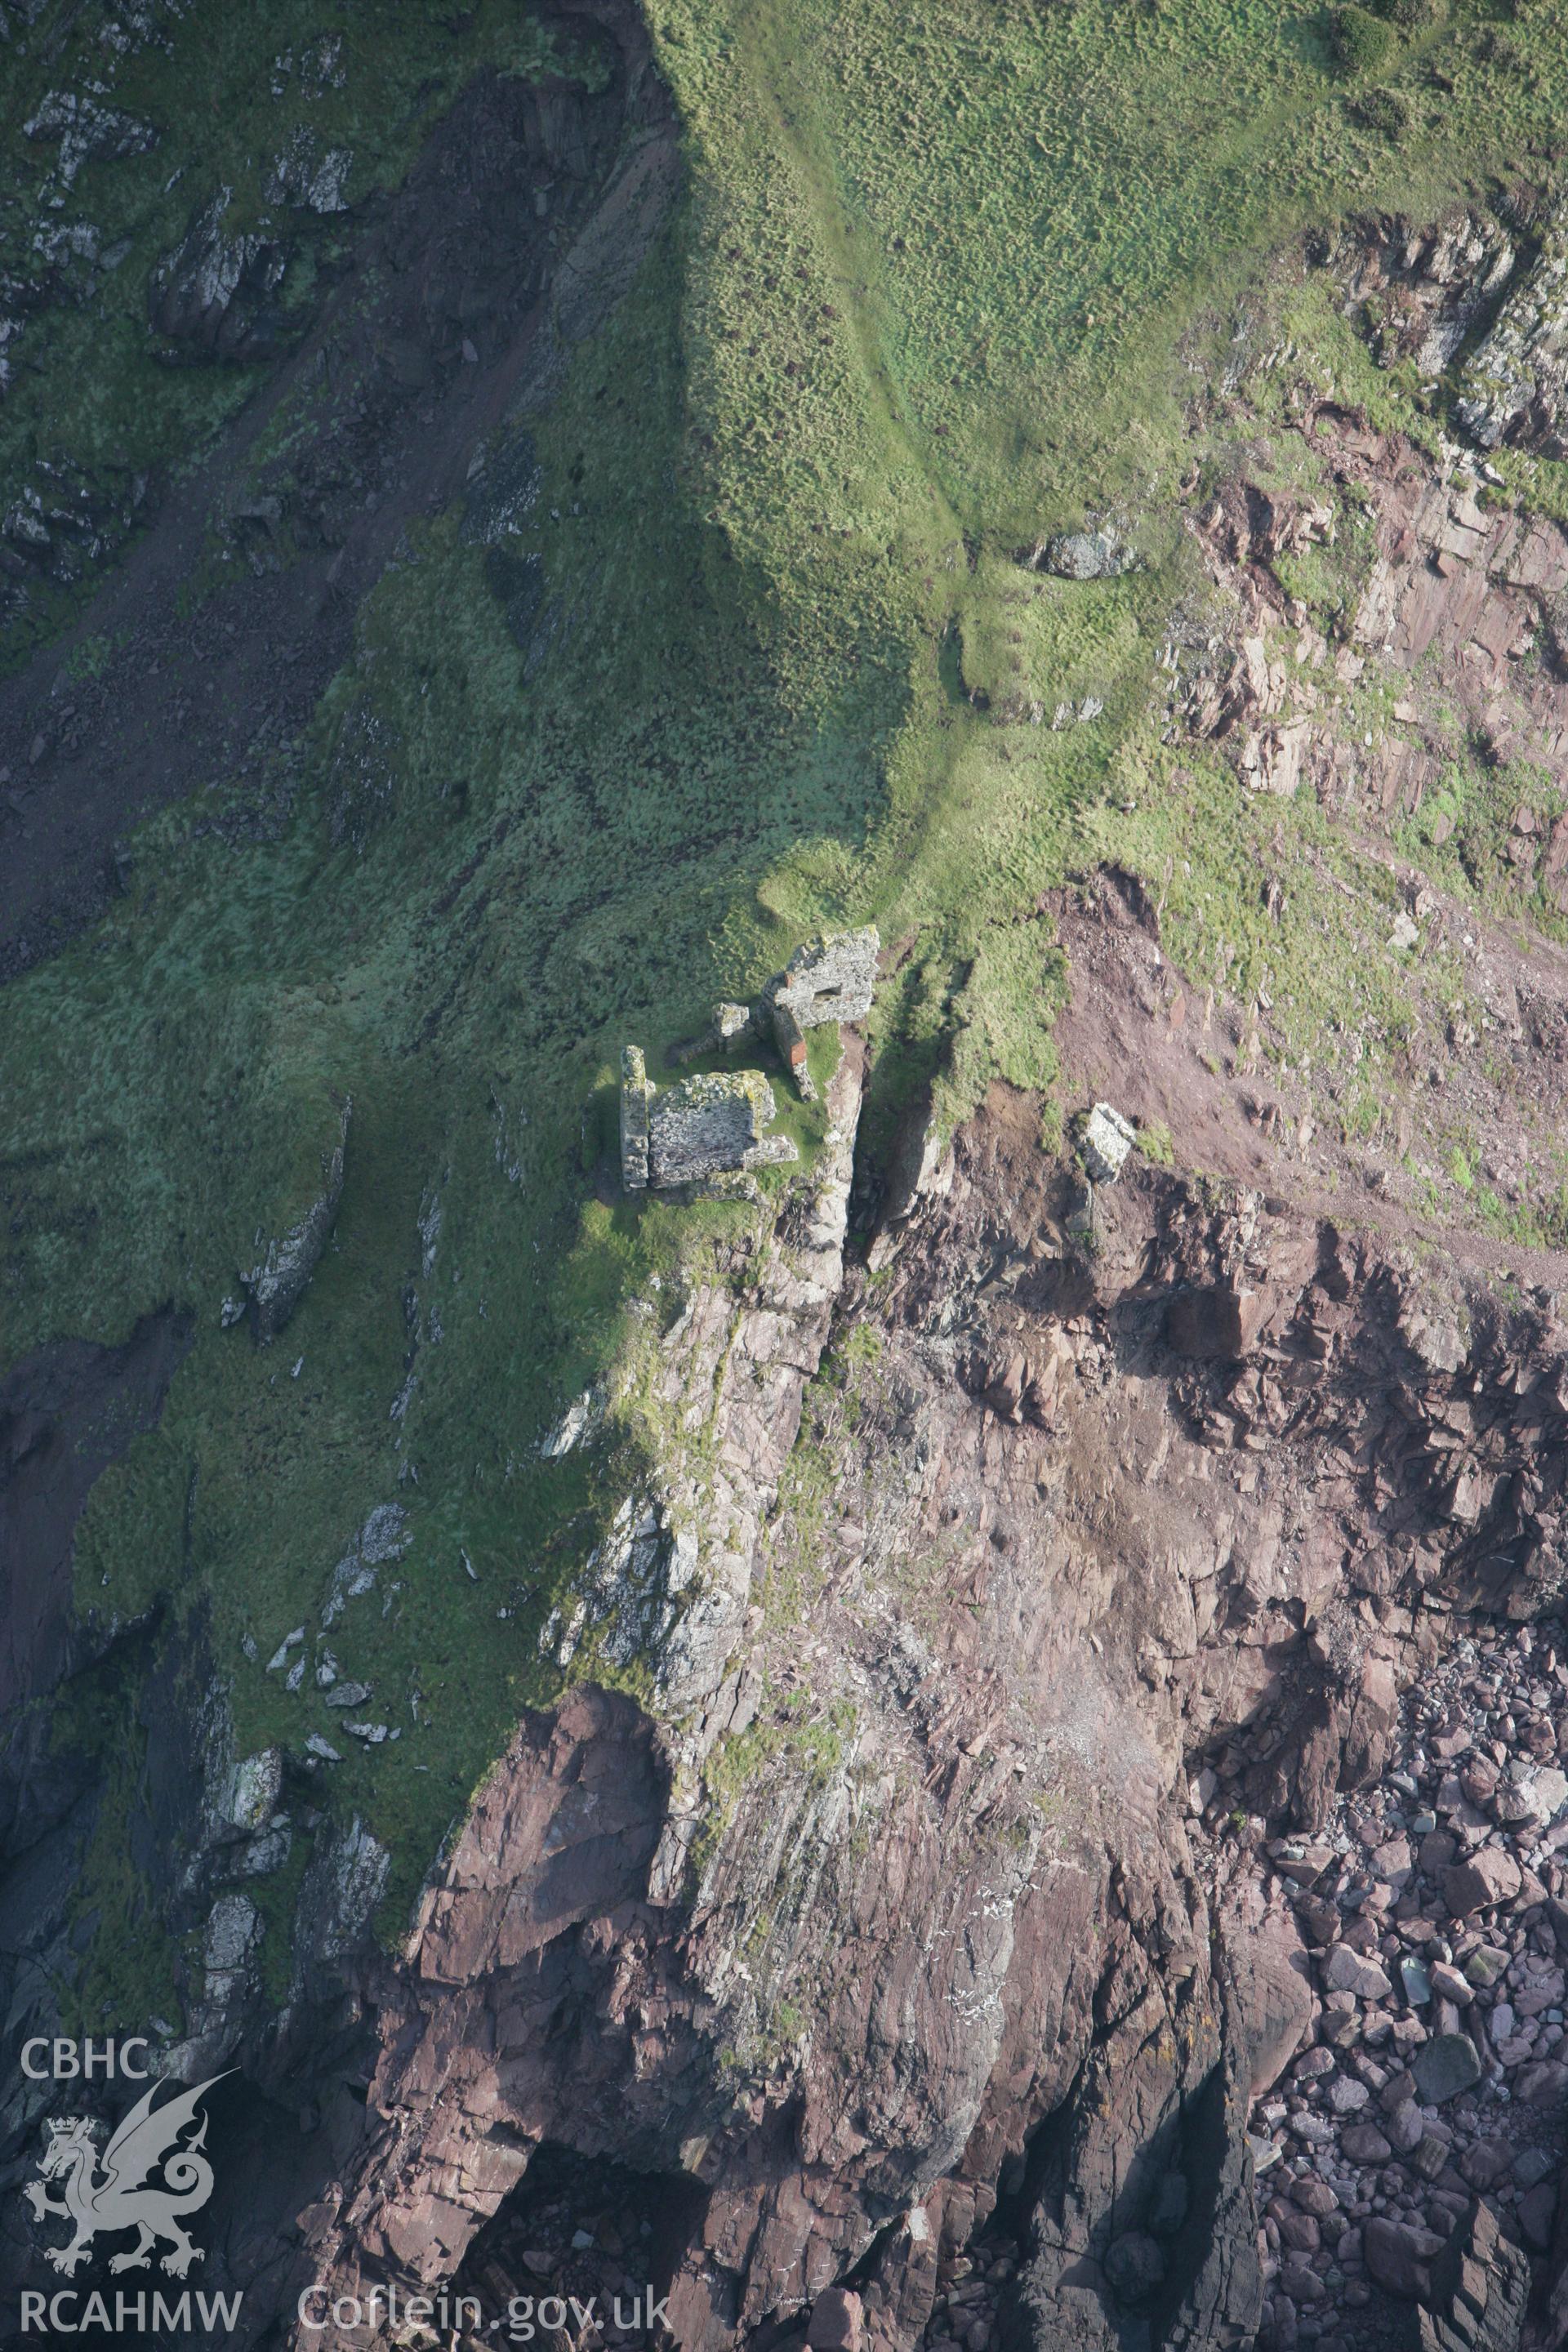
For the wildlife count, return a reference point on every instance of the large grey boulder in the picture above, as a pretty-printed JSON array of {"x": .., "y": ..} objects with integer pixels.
[
  {"x": 1099, "y": 552},
  {"x": 1108, "y": 1138},
  {"x": 342, "y": 1885}
]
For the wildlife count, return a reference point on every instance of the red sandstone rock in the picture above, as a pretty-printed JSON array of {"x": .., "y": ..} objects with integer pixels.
[
  {"x": 836, "y": 2322},
  {"x": 1490, "y": 1877}
]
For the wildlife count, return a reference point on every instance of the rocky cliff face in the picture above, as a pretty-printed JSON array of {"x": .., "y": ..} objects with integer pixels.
[
  {"x": 1077, "y": 1860},
  {"x": 1088, "y": 1871},
  {"x": 1099, "y": 1895}
]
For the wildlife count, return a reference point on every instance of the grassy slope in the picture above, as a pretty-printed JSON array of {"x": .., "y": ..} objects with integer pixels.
[
  {"x": 921, "y": 303},
  {"x": 89, "y": 403}
]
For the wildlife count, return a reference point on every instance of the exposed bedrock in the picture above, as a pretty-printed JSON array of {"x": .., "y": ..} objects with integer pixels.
[
  {"x": 275, "y": 1285},
  {"x": 993, "y": 1954}
]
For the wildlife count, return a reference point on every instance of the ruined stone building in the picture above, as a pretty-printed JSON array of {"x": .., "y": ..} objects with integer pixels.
[
  {"x": 715, "y": 1125},
  {"x": 705, "y": 1126},
  {"x": 830, "y": 979}
]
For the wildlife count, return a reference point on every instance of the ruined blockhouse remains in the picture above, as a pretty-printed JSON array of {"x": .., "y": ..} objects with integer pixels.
[{"x": 715, "y": 1125}]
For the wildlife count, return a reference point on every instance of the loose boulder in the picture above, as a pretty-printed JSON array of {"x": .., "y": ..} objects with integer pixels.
[
  {"x": 1100, "y": 551},
  {"x": 1220, "y": 1324},
  {"x": 1398, "y": 2257},
  {"x": 1444, "y": 2067},
  {"x": 1490, "y": 1877},
  {"x": 836, "y": 2322}
]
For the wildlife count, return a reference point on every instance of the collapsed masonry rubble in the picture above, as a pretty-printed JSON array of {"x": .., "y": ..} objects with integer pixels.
[
  {"x": 705, "y": 1126},
  {"x": 714, "y": 1126}
]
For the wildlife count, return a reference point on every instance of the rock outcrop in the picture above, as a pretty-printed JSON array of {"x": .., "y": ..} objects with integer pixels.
[
  {"x": 574, "y": 1883},
  {"x": 1101, "y": 550},
  {"x": 1070, "y": 1857},
  {"x": 312, "y": 176},
  {"x": 1514, "y": 386},
  {"x": 213, "y": 296},
  {"x": 275, "y": 1285},
  {"x": 1421, "y": 288},
  {"x": 1155, "y": 1816},
  {"x": 86, "y": 131},
  {"x": 1054, "y": 1830}
]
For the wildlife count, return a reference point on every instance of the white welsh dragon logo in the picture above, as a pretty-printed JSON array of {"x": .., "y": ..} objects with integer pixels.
[{"x": 122, "y": 2194}]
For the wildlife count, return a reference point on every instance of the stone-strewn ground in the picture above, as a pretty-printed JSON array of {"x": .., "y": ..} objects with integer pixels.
[{"x": 1433, "y": 1908}]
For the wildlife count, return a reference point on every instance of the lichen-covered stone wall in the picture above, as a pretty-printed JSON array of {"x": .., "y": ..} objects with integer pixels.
[
  {"x": 635, "y": 1093},
  {"x": 829, "y": 979}
]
